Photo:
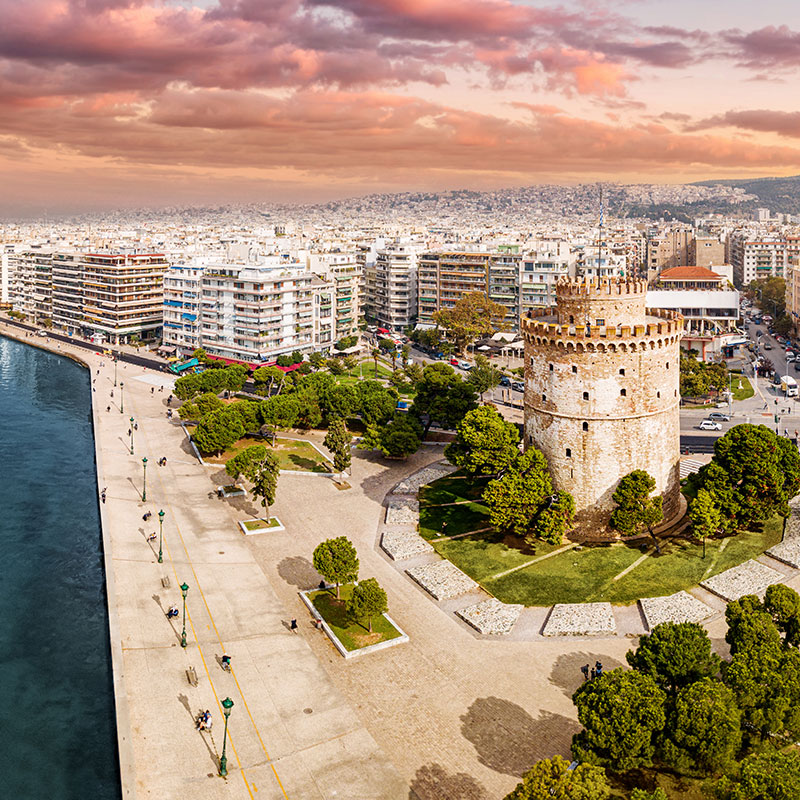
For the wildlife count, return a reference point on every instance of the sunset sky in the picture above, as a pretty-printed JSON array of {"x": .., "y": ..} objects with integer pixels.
[{"x": 154, "y": 102}]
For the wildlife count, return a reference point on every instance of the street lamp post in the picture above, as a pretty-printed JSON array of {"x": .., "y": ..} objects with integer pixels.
[
  {"x": 144, "y": 479},
  {"x": 131, "y": 430},
  {"x": 160, "y": 534},
  {"x": 730, "y": 394},
  {"x": 227, "y": 705},
  {"x": 184, "y": 589},
  {"x": 121, "y": 389},
  {"x": 116, "y": 358}
]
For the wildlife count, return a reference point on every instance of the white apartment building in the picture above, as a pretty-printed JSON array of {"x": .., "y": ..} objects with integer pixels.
[
  {"x": 182, "y": 294},
  {"x": 594, "y": 262},
  {"x": 391, "y": 286},
  {"x": 540, "y": 271},
  {"x": 338, "y": 295},
  {"x": 754, "y": 257}
]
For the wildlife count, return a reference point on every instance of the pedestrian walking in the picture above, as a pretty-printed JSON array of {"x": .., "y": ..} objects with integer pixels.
[
  {"x": 152, "y": 389},
  {"x": 585, "y": 671},
  {"x": 103, "y": 496},
  {"x": 444, "y": 527},
  {"x": 136, "y": 426},
  {"x": 129, "y": 432},
  {"x": 594, "y": 673},
  {"x": 598, "y": 668},
  {"x": 293, "y": 625},
  {"x": 112, "y": 394},
  {"x": 108, "y": 408}
]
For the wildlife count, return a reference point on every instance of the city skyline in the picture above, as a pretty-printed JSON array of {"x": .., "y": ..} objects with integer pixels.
[{"x": 153, "y": 102}]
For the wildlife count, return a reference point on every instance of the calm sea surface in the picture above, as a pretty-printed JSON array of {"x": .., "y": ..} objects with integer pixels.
[{"x": 57, "y": 725}]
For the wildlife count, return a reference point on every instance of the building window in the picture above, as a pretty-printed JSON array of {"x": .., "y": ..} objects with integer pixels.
[
  {"x": 574, "y": 369},
  {"x": 569, "y": 453},
  {"x": 622, "y": 372},
  {"x": 586, "y": 395},
  {"x": 586, "y": 426},
  {"x": 623, "y": 392},
  {"x": 600, "y": 322}
]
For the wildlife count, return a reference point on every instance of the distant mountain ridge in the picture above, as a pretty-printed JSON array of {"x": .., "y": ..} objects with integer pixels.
[{"x": 779, "y": 195}]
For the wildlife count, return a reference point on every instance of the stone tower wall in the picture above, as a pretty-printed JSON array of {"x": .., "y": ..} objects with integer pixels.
[
  {"x": 600, "y": 302},
  {"x": 603, "y": 402}
]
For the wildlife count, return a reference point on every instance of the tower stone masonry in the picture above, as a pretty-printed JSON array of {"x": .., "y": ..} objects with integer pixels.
[{"x": 602, "y": 395}]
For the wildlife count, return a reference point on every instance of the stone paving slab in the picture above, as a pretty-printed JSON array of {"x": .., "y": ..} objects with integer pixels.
[
  {"x": 678, "y": 607},
  {"x": 402, "y": 511},
  {"x": 748, "y": 578},
  {"x": 403, "y": 543},
  {"x": 788, "y": 551},
  {"x": 491, "y": 616},
  {"x": 412, "y": 483},
  {"x": 580, "y": 619},
  {"x": 442, "y": 579}
]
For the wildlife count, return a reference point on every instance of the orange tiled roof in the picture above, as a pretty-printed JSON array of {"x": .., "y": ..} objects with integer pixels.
[{"x": 689, "y": 274}]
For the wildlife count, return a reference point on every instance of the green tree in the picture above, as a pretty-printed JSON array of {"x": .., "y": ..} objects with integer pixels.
[
  {"x": 399, "y": 438},
  {"x": 377, "y": 404},
  {"x": 703, "y": 731},
  {"x": 342, "y": 401},
  {"x": 350, "y": 362},
  {"x": 200, "y": 406},
  {"x": 770, "y": 294},
  {"x": 641, "y": 794},
  {"x": 187, "y": 387},
  {"x": 316, "y": 360},
  {"x": 705, "y": 514},
  {"x": 309, "y": 413},
  {"x": 552, "y": 779},
  {"x": 265, "y": 378},
  {"x": 346, "y": 342},
  {"x": 375, "y": 355},
  {"x": 261, "y": 468},
  {"x": 675, "y": 654},
  {"x": 366, "y": 601},
  {"x": 782, "y": 603},
  {"x": 474, "y": 315},
  {"x": 218, "y": 430},
  {"x": 636, "y": 509},
  {"x": 484, "y": 375},
  {"x": 280, "y": 411},
  {"x": 442, "y": 397},
  {"x": 337, "y": 440},
  {"x": 621, "y": 711},
  {"x": 554, "y": 519},
  {"x": 337, "y": 561},
  {"x": 485, "y": 443},
  {"x": 753, "y": 475},
  {"x": 413, "y": 372},
  {"x": 763, "y": 776}
]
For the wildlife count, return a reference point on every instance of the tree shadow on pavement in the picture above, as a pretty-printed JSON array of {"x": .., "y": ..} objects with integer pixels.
[
  {"x": 299, "y": 571},
  {"x": 566, "y": 672},
  {"x": 509, "y": 740},
  {"x": 434, "y": 782}
]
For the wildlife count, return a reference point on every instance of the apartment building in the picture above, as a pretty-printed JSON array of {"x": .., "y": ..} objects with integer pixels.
[
  {"x": 182, "y": 295},
  {"x": 706, "y": 250},
  {"x": 338, "y": 295},
  {"x": 668, "y": 248},
  {"x": 592, "y": 261},
  {"x": 104, "y": 296},
  {"x": 540, "y": 271},
  {"x": 755, "y": 257},
  {"x": 390, "y": 285},
  {"x": 793, "y": 291}
]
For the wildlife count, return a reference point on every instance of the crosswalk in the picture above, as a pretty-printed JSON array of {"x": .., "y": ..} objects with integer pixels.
[{"x": 689, "y": 466}]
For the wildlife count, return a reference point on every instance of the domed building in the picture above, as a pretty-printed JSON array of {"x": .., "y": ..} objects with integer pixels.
[{"x": 602, "y": 395}]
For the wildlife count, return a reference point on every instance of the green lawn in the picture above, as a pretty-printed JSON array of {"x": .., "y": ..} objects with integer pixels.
[
  {"x": 291, "y": 454},
  {"x": 351, "y": 634},
  {"x": 741, "y": 387},
  {"x": 260, "y": 524},
  {"x": 578, "y": 575}
]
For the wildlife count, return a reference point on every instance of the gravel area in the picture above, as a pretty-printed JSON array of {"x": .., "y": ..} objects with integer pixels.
[
  {"x": 442, "y": 579},
  {"x": 787, "y": 551},
  {"x": 580, "y": 619},
  {"x": 403, "y": 511},
  {"x": 403, "y": 543},
  {"x": 678, "y": 607},
  {"x": 491, "y": 616},
  {"x": 412, "y": 483},
  {"x": 748, "y": 578}
]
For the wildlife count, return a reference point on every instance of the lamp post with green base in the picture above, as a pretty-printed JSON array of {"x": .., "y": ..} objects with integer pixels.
[
  {"x": 144, "y": 479},
  {"x": 121, "y": 390},
  {"x": 160, "y": 534},
  {"x": 184, "y": 589},
  {"x": 131, "y": 430},
  {"x": 116, "y": 358},
  {"x": 227, "y": 705}
]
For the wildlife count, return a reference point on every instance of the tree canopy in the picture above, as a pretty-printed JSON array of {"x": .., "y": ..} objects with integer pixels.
[
  {"x": 336, "y": 560},
  {"x": 474, "y": 315},
  {"x": 485, "y": 443},
  {"x": 337, "y": 440},
  {"x": 442, "y": 396},
  {"x": 552, "y": 779},
  {"x": 367, "y": 600},
  {"x": 763, "y": 776},
  {"x": 260, "y": 467},
  {"x": 636, "y": 509},
  {"x": 398, "y": 438}
]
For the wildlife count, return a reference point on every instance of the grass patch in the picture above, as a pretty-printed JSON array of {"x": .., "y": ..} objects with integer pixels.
[
  {"x": 351, "y": 634},
  {"x": 460, "y": 519},
  {"x": 741, "y": 387},
  {"x": 292, "y": 454},
  {"x": 261, "y": 524},
  {"x": 452, "y": 489}
]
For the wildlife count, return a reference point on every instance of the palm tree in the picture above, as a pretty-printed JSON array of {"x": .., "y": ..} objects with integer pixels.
[{"x": 375, "y": 354}]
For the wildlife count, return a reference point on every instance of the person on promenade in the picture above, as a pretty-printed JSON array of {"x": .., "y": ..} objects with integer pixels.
[
  {"x": 136, "y": 426},
  {"x": 585, "y": 671},
  {"x": 226, "y": 662},
  {"x": 293, "y": 626},
  {"x": 172, "y": 612},
  {"x": 152, "y": 390}
]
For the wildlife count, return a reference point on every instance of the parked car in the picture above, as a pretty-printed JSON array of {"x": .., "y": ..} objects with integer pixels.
[
  {"x": 518, "y": 386},
  {"x": 454, "y": 362},
  {"x": 41, "y": 333},
  {"x": 709, "y": 425},
  {"x": 718, "y": 416},
  {"x": 767, "y": 346},
  {"x": 505, "y": 381},
  {"x": 797, "y": 366},
  {"x": 790, "y": 357}
]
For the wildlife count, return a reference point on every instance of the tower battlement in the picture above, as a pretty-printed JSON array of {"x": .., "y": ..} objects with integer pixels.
[{"x": 599, "y": 288}]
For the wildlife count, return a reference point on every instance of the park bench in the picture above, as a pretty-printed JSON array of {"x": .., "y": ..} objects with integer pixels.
[
  {"x": 165, "y": 582},
  {"x": 191, "y": 676}
]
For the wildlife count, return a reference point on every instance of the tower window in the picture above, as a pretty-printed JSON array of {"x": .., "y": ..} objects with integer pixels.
[
  {"x": 586, "y": 395},
  {"x": 569, "y": 453},
  {"x": 599, "y": 322},
  {"x": 574, "y": 369},
  {"x": 622, "y": 372},
  {"x": 551, "y": 368},
  {"x": 586, "y": 426},
  {"x": 623, "y": 392},
  {"x": 667, "y": 364},
  {"x": 571, "y": 320},
  {"x": 658, "y": 394},
  {"x": 544, "y": 398}
]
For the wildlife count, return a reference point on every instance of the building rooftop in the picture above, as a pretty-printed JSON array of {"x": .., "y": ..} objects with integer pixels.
[{"x": 689, "y": 274}]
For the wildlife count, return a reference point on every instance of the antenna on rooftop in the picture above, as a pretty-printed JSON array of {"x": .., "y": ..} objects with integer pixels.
[{"x": 600, "y": 234}]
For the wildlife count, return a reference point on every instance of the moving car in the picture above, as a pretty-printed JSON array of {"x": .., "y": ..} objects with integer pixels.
[
  {"x": 709, "y": 425},
  {"x": 718, "y": 416},
  {"x": 518, "y": 386}
]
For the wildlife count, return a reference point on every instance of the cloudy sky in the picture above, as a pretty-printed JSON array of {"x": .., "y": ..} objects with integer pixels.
[{"x": 153, "y": 102}]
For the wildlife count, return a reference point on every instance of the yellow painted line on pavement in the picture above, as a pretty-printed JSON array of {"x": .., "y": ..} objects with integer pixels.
[{"x": 219, "y": 639}]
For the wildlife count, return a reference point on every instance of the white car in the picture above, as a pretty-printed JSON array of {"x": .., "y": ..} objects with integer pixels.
[{"x": 709, "y": 425}]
